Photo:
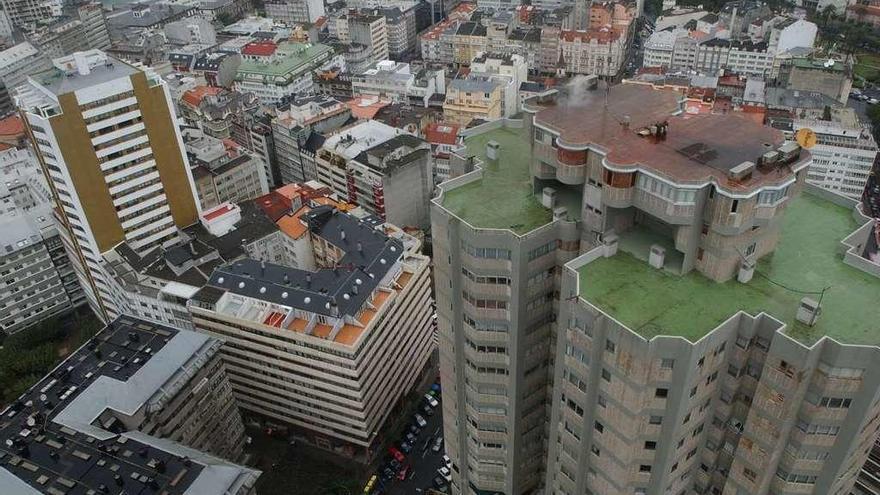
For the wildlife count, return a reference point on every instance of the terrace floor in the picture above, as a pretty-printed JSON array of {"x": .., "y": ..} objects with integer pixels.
[
  {"x": 654, "y": 302},
  {"x": 503, "y": 198}
]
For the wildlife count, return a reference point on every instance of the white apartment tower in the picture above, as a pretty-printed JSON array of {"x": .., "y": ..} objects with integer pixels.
[{"x": 105, "y": 134}]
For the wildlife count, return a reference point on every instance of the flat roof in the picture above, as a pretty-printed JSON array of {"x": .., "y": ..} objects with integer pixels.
[
  {"x": 503, "y": 198},
  {"x": 129, "y": 366},
  {"x": 655, "y": 302},
  {"x": 60, "y": 82},
  {"x": 289, "y": 58},
  {"x": 696, "y": 149}
]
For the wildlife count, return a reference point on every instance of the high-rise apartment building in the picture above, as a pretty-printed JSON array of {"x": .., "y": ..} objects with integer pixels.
[
  {"x": 645, "y": 302},
  {"x": 844, "y": 152},
  {"x": 36, "y": 279},
  {"x": 330, "y": 348},
  {"x": 105, "y": 134},
  {"x": 380, "y": 168},
  {"x": 223, "y": 170},
  {"x": 25, "y": 14},
  {"x": 140, "y": 408},
  {"x": 295, "y": 11}
]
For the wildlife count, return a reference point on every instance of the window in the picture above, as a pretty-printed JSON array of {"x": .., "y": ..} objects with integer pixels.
[
  {"x": 665, "y": 190},
  {"x": 489, "y": 253},
  {"x": 667, "y": 364},
  {"x": 650, "y": 445},
  {"x": 734, "y": 206},
  {"x": 542, "y": 250},
  {"x": 645, "y": 468},
  {"x": 655, "y": 420},
  {"x": 610, "y": 346},
  {"x": 750, "y": 249},
  {"x": 606, "y": 375},
  {"x": 661, "y": 392},
  {"x": 772, "y": 197},
  {"x": 595, "y": 450},
  {"x": 599, "y": 427}
]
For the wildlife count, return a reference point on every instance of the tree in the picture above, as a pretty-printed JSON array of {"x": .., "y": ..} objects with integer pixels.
[
  {"x": 225, "y": 18},
  {"x": 874, "y": 118},
  {"x": 827, "y": 14}
]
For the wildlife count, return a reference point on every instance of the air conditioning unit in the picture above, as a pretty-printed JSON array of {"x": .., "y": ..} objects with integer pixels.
[
  {"x": 548, "y": 197},
  {"x": 611, "y": 242},
  {"x": 808, "y": 312},
  {"x": 657, "y": 257},
  {"x": 746, "y": 271},
  {"x": 493, "y": 150},
  {"x": 560, "y": 213}
]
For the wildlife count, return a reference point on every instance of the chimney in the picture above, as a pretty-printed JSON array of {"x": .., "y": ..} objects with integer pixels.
[
  {"x": 342, "y": 234},
  {"x": 360, "y": 247},
  {"x": 262, "y": 267},
  {"x": 308, "y": 279}
]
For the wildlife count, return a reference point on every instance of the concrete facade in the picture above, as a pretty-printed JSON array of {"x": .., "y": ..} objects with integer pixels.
[{"x": 557, "y": 380}]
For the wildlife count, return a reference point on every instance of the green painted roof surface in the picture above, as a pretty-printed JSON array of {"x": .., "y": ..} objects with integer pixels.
[
  {"x": 290, "y": 58},
  {"x": 808, "y": 258},
  {"x": 503, "y": 198}
]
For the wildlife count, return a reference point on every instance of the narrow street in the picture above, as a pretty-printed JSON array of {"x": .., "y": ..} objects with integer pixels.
[{"x": 423, "y": 462}]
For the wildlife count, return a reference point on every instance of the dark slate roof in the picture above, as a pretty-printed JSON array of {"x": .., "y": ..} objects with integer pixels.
[
  {"x": 344, "y": 289},
  {"x": 254, "y": 224},
  {"x": 471, "y": 29},
  {"x": 76, "y": 460}
]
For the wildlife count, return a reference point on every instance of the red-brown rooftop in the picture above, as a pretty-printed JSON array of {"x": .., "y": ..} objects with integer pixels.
[{"x": 696, "y": 148}]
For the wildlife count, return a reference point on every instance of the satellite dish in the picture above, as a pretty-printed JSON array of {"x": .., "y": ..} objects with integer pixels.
[{"x": 806, "y": 138}]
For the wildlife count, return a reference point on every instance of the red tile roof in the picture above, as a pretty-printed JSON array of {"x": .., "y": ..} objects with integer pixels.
[
  {"x": 274, "y": 205},
  {"x": 218, "y": 211},
  {"x": 441, "y": 133},
  {"x": 194, "y": 96},
  {"x": 259, "y": 48},
  {"x": 12, "y": 126}
]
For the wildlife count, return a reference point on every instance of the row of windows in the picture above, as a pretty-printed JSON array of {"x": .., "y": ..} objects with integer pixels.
[
  {"x": 483, "y": 303},
  {"x": 664, "y": 190},
  {"x": 480, "y": 279},
  {"x": 490, "y": 253}
]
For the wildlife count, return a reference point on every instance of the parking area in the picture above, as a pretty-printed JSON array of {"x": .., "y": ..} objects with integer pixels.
[{"x": 421, "y": 464}]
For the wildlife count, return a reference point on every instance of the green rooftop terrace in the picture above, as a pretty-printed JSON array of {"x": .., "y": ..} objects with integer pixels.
[
  {"x": 656, "y": 302},
  {"x": 290, "y": 58},
  {"x": 503, "y": 198}
]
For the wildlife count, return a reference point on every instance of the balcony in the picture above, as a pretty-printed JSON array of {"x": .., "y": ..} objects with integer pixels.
[
  {"x": 618, "y": 197},
  {"x": 571, "y": 174}
]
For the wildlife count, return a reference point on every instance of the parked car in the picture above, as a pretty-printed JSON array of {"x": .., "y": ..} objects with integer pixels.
[
  {"x": 440, "y": 483},
  {"x": 431, "y": 400},
  {"x": 401, "y": 475},
  {"x": 420, "y": 421},
  {"x": 406, "y": 447},
  {"x": 394, "y": 464},
  {"x": 398, "y": 455},
  {"x": 387, "y": 474},
  {"x": 446, "y": 473},
  {"x": 410, "y": 438},
  {"x": 428, "y": 410},
  {"x": 438, "y": 444},
  {"x": 447, "y": 461},
  {"x": 415, "y": 430}
]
